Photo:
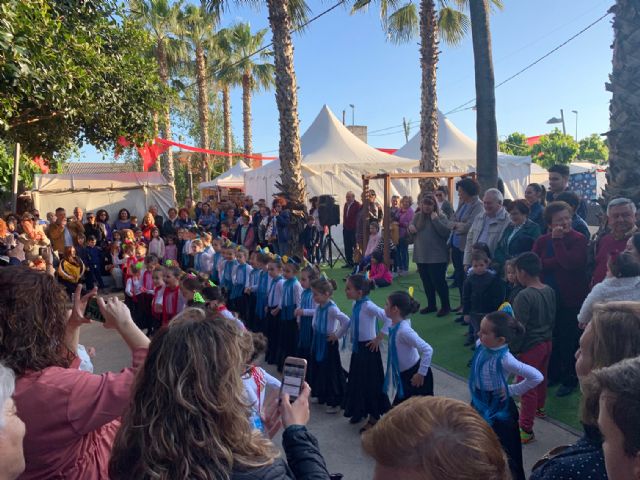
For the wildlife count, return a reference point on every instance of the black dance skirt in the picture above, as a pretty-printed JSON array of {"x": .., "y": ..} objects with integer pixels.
[
  {"x": 287, "y": 340},
  {"x": 411, "y": 391},
  {"x": 327, "y": 378},
  {"x": 271, "y": 331},
  {"x": 365, "y": 395}
]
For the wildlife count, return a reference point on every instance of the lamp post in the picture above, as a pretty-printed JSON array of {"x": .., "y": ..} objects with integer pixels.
[
  {"x": 553, "y": 120},
  {"x": 353, "y": 113},
  {"x": 576, "y": 112}
]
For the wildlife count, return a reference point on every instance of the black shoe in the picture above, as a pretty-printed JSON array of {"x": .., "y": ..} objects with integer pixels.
[
  {"x": 428, "y": 310},
  {"x": 565, "y": 391}
]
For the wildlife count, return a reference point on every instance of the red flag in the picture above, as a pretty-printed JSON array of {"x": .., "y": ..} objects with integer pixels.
[
  {"x": 150, "y": 154},
  {"x": 42, "y": 164}
]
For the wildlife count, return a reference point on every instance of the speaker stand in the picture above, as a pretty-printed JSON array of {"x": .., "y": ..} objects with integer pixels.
[{"x": 330, "y": 243}]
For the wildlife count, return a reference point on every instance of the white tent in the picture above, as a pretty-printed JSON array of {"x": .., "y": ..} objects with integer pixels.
[
  {"x": 135, "y": 191},
  {"x": 333, "y": 162},
  {"x": 457, "y": 153},
  {"x": 232, "y": 178}
]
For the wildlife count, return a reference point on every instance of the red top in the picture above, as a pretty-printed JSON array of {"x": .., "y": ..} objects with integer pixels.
[
  {"x": 72, "y": 419},
  {"x": 606, "y": 246},
  {"x": 350, "y": 215}
]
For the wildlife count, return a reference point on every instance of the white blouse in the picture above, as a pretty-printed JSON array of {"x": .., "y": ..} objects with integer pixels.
[
  {"x": 411, "y": 348},
  {"x": 297, "y": 294},
  {"x": 247, "y": 277},
  {"x": 337, "y": 322},
  {"x": 370, "y": 313},
  {"x": 274, "y": 295}
]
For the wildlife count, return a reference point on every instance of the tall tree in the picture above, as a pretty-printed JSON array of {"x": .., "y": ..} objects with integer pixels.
[
  {"x": 256, "y": 71},
  {"x": 623, "y": 174},
  {"x": 197, "y": 29},
  {"x": 435, "y": 20},
  {"x": 593, "y": 149},
  {"x": 555, "y": 147},
  {"x": 160, "y": 19},
  {"x": 486, "y": 128}
]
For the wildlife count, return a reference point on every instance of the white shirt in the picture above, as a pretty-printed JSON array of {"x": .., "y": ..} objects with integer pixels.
[
  {"x": 85, "y": 360},
  {"x": 251, "y": 388},
  {"x": 134, "y": 286},
  {"x": 337, "y": 322},
  {"x": 247, "y": 277},
  {"x": 158, "y": 298},
  {"x": 297, "y": 294},
  {"x": 228, "y": 314},
  {"x": 370, "y": 313},
  {"x": 510, "y": 366},
  {"x": 411, "y": 348},
  {"x": 206, "y": 260},
  {"x": 274, "y": 294},
  {"x": 610, "y": 289}
]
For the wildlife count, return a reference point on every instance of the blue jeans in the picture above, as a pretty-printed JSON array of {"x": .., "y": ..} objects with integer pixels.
[{"x": 402, "y": 255}]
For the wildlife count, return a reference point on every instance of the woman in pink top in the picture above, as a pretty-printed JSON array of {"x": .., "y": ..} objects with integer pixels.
[{"x": 70, "y": 415}]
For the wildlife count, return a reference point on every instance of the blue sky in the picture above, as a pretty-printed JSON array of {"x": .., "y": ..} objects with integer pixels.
[{"x": 343, "y": 59}]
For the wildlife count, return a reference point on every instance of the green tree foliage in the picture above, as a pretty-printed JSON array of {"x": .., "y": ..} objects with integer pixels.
[
  {"x": 593, "y": 149},
  {"x": 27, "y": 170},
  {"x": 553, "y": 148},
  {"x": 516, "y": 144},
  {"x": 72, "y": 72}
]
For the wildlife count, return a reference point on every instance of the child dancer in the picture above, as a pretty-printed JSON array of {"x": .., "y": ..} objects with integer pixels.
[
  {"x": 226, "y": 274},
  {"x": 172, "y": 302},
  {"x": 190, "y": 285},
  {"x": 114, "y": 266},
  {"x": 305, "y": 313},
  {"x": 491, "y": 395},
  {"x": 204, "y": 259},
  {"x": 171, "y": 249},
  {"x": 156, "y": 301},
  {"x": 329, "y": 325},
  {"x": 249, "y": 292},
  {"x": 214, "y": 300},
  {"x": 409, "y": 358},
  {"x": 132, "y": 292},
  {"x": 261, "y": 291},
  {"x": 216, "y": 243},
  {"x": 240, "y": 275},
  {"x": 274, "y": 298},
  {"x": 156, "y": 244},
  {"x": 146, "y": 294},
  {"x": 288, "y": 327},
  {"x": 365, "y": 395}
]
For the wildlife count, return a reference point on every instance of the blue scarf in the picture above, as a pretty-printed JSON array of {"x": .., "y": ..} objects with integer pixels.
[
  {"x": 306, "y": 332},
  {"x": 261, "y": 294},
  {"x": 241, "y": 278},
  {"x": 272, "y": 291},
  {"x": 215, "y": 277},
  {"x": 392, "y": 376},
  {"x": 319, "y": 345},
  {"x": 288, "y": 301},
  {"x": 196, "y": 261},
  {"x": 227, "y": 274},
  {"x": 489, "y": 403},
  {"x": 355, "y": 323}
]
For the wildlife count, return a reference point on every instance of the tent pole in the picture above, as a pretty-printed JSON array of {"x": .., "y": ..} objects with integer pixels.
[
  {"x": 16, "y": 176},
  {"x": 386, "y": 222}
]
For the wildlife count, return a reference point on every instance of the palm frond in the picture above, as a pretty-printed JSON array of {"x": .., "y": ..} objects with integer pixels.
[
  {"x": 403, "y": 24},
  {"x": 453, "y": 25},
  {"x": 360, "y": 6},
  {"x": 263, "y": 76},
  {"x": 299, "y": 12}
]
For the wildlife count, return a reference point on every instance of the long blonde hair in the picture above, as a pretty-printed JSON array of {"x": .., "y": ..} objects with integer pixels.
[
  {"x": 438, "y": 438},
  {"x": 189, "y": 417}
]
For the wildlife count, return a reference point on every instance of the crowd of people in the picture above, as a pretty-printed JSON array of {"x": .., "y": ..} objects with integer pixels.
[{"x": 214, "y": 286}]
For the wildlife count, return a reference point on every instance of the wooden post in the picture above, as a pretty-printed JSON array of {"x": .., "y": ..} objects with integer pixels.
[
  {"x": 16, "y": 175},
  {"x": 365, "y": 215},
  {"x": 450, "y": 187},
  {"x": 386, "y": 221}
]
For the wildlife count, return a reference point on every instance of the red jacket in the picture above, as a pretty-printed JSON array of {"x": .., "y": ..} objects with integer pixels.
[
  {"x": 350, "y": 221},
  {"x": 565, "y": 270}
]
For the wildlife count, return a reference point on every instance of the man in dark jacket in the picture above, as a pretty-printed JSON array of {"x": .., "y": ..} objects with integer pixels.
[{"x": 349, "y": 226}]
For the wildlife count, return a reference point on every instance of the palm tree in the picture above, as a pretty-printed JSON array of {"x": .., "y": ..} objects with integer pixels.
[
  {"x": 435, "y": 19},
  {"x": 623, "y": 174},
  {"x": 197, "y": 32},
  {"x": 486, "y": 128},
  {"x": 255, "y": 71},
  {"x": 160, "y": 18}
]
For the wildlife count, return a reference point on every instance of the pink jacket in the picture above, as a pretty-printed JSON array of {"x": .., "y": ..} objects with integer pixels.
[
  {"x": 71, "y": 418},
  {"x": 379, "y": 270}
]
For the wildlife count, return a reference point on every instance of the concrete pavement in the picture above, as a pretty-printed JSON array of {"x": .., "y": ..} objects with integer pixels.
[{"x": 339, "y": 440}]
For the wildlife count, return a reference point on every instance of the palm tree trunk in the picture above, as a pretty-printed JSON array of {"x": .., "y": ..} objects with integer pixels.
[
  {"x": 623, "y": 174},
  {"x": 203, "y": 108},
  {"x": 429, "y": 108},
  {"x": 291, "y": 183},
  {"x": 226, "y": 116},
  {"x": 163, "y": 72},
  {"x": 247, "y": 87},
  {"x": 486, "y": 129}
]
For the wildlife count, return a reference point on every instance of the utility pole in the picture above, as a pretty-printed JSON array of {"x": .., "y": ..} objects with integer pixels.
[
  {"x": 16, "y": 175},
  {"x": 407, "y": 129}
]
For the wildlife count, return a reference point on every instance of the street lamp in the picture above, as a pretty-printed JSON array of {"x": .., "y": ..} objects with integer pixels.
[
  {"x": 576, "y": 112},
  {"x": 353, "y": 113},
  {"x": 553, "y": 120}
]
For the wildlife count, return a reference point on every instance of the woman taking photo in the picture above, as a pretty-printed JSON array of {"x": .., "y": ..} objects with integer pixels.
[
  {"x": 519, "y": 235},
  {"x": 70, "y": 415},
  {"x": 197, "y": 415},
  {"x": 535, "y": 195},
  {"x": 431, "y": 254}
]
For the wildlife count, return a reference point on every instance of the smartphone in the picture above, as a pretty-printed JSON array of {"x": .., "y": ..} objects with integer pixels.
[
  {"x": 93, "y": 311},
  {"x": 294, "y": 372}
]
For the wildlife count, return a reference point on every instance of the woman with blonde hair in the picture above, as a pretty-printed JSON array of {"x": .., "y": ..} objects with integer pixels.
[
  {"x": 612, "y": 335},
  {"x": 425, "y": 438},
  {"x": 191, "y": 399}
]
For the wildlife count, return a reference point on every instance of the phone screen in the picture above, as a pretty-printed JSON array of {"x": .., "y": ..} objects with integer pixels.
[
  {"x": 93, "y": 311},
  {"x": 293, "y": 379}
]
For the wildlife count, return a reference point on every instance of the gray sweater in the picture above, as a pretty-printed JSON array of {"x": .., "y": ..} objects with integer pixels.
[{"x": 430, "y": 245}]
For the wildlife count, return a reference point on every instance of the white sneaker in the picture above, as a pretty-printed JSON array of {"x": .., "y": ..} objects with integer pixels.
[{"x": 332, "y": 409}]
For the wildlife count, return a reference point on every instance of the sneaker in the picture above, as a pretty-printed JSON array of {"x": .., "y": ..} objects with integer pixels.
[
  {"x": 526, "y": 437},
  {"x": 541, "y": 413},
  {"x": 332, "y": 409}
]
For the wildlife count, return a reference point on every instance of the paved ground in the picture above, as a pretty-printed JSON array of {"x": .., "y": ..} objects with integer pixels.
[{"x": 339, "y": 441}]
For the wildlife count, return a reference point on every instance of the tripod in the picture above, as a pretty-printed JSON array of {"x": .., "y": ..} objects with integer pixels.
[{"x": 330, "y": 243}]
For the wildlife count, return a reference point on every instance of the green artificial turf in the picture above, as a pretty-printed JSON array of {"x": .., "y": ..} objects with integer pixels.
[{"x": 447, "y": 337}]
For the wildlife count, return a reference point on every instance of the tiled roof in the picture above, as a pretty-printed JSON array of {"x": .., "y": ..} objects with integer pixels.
[{"x": 96, "y": 167}]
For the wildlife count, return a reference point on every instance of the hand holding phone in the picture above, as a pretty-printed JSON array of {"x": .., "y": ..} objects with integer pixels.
[
  {"x": 294, "y": 372},
  {"x": 296, "y": 413},
  {"x": 93, "y": 311}
]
